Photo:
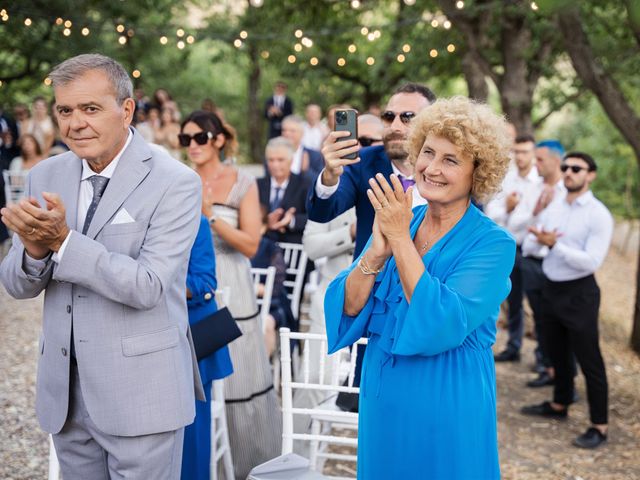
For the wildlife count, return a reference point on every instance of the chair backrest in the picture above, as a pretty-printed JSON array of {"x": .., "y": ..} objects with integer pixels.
[
  {"x": 296, "y": 261},
  {"x": 330, "y": 373},
  {"x": 14, "y": 185},
  {"x": 265, "y": 277}
]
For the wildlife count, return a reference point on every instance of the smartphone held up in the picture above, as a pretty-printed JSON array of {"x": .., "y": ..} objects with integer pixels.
[{"x": 347, "y": 121}]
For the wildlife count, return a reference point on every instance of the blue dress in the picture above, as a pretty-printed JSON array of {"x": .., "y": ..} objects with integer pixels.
[
  {"x": 201, "y": 282},
  {"x": 428, "y": 388}
]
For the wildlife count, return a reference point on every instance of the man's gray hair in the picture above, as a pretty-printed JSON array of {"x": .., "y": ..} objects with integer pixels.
[
  {"x": 75, "y": 67},
  {"x": 294, "y": 119},
  {"x": 368, "y": 118},
  {"x": 281, "y": 142}
]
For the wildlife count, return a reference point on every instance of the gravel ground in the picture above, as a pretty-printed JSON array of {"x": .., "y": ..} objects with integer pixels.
[{"x": 529, "y": 449}]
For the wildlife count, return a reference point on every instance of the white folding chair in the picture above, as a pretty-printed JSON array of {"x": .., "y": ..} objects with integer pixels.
[
  {"x": 265, "y": 277},
  {"x": 296, "y": 260},
  {"x": 54, "y": 466},
  {"x": 328, "y": 377},
  {"x": 220, "y": 447}
]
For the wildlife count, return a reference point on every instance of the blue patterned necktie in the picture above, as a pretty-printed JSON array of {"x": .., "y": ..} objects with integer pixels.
[
  {"x": 276, "y": 199},
  {"x": 99, "y": 184}
]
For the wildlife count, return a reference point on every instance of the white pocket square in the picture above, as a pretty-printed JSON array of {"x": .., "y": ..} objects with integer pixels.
[{"x": 122, "y": 217}]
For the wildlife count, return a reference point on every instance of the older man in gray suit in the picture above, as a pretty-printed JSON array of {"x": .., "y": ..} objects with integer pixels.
[{"x": 106, "y": 232}]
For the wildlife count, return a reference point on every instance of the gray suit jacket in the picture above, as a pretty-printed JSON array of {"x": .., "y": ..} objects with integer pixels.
[{"x": 123, "y": 285}]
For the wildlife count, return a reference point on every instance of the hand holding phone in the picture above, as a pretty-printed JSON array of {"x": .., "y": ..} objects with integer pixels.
[{"x": 340, "y": 148}]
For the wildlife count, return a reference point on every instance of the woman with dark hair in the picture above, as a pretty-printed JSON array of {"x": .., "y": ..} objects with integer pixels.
[
  {"x": 230, "y": 202},
  {"x": 30, "y": 154}
]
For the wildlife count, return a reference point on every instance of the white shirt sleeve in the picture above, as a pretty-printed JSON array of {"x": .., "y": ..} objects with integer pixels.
[
  {"x": 57, "y": 256},
  {"x": 595, "y": 249},
  {"x": 324, "y": 192}
]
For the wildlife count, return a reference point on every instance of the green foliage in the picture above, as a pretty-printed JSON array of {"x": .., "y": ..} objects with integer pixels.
[{"x": 589, "y": 130}]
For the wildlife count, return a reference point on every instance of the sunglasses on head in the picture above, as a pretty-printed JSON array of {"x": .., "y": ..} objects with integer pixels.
[
  {"x": 574, "y": 168},
  {"x": 368, "y": 141},
  {"x": 389, "y": 116},
  {"x": 201, "y": 138}
]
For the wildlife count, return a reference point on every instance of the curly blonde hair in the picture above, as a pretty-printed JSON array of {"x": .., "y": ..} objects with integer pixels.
[{"x": 476, "y": 130}]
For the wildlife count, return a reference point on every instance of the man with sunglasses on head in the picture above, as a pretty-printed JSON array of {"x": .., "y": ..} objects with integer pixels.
[
  {"x": 343, "y": 183},
  {"x": 577, "y": 232}
]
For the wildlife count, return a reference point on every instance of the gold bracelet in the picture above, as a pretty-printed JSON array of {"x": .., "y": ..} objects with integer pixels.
[{"x": 365, "y": 269}]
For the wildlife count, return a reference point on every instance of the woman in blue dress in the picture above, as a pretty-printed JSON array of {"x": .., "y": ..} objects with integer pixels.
[
  {"x": 201, "y": 287},
  {"x": 426, "y": 291}
]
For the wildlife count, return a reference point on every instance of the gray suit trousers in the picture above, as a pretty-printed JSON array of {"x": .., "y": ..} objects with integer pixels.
[{"x": 85, "y": 452}]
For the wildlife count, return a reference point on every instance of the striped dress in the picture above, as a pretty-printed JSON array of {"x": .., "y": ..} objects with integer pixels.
[{"x": 253, "y": 413}]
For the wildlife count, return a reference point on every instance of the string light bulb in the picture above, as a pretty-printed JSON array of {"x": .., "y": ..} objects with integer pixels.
[
  {"x": 298, "y": 33},
  {"x": 136, "y": 73},
  {"x": 433, "y": 53},
  {"x": 27, "y": 22},
  {"x": 364, "y": 31},
  {"x": 265, "y": 54},
  {"x": 451, "y": 48},
  {"x": 534, "y": 6},
  {"x": 59, "y": 20},
  {"x": 291, "y": 59},
  {"x": 355, "y": 4},
  {"x": 190, "y": 39},
  {"x": 243, "y": 34},
  {"x": 297, "y": 47},
  {"x": 66, "y": 32},
  {"x": 68, "y": 24},
  {"x": 307, "y": 42},
  {"x": 85, "y": 31},
  {"x": 120, "y": 28},
  {"x": 163, "y": 40},
  {"x": 459, "y": 4},
  {"x": 237, "y": 43},
  {"x": 180, "y": 33},
  {"x": 371, "y": 61},
  {"x": 180, "y": 44},
  {"x": 352, "y": 48},
  {"x": 406, "y": 48},
  {"x": 400, "y": 58},
  {"x": 447, "y": 24},
  {"x": 313, "y": 61},
  {"x": 341, "y": 62},
  {"x": 122, "y": 40},
  {"x": 47, "y": 81}
]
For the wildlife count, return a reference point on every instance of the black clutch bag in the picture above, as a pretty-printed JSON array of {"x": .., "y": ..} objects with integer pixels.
[{"x": 214, "y": 332}]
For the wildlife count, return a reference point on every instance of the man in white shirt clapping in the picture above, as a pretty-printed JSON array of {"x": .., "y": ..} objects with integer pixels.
[{"x": 577, "y": 231}]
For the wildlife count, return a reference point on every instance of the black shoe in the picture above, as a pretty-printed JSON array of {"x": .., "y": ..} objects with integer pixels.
[
  {"x": 507, "y": 356},
  {"x": 543, "y": 380},
  {"x": 544, "y": 409},
  {"x": 592, "y": 438}
]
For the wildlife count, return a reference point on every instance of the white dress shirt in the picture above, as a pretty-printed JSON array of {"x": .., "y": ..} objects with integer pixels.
[
  {"x": 325, "y": 192},
  {"x": 272, "y": 196},
  {"x": 296, "y": 162},
  {"x": 584, "y": 229},
  {"x": 518, "y": 220},
  {"x": 314, "y": 135}
]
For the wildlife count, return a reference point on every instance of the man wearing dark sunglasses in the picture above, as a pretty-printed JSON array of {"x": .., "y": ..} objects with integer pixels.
[
  {"x": 343, "y": 183},
  {"x": 577, "y": 230}
]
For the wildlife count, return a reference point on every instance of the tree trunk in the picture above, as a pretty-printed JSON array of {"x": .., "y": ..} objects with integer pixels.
[
  {"x": 473, "y": 74},
  {"x": 614, "y": 103},
  {"x": 254, "y": 107},
  {"x": 516, "y": 96}
]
